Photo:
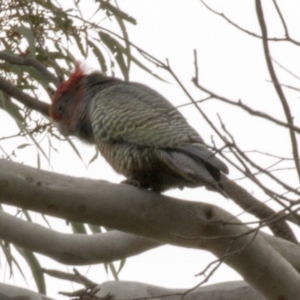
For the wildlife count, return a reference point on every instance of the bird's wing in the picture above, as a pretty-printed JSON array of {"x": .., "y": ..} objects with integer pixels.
[
  {"x": 187, "y": 167},
  {"x": 200, "y": 152},
  {"x": 135, "y": 114},
  {"x": 195, "y": 169}
]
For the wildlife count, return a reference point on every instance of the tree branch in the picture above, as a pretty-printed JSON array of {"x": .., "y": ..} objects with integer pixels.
[
  {"x": 277, "y": 86},
  {"x": 73, "y": 249},
  {"x": 274, "y": 39},
  {"x": 246, "y": 108},
  {"x": 253, "y": 206},
  {"x": 9, "y": 292},
  {"x": 31, "y": 62},
  {"x": 12, "y": 91},
  {"x": 136, "y": 290},
  {"x": 79, "y": 249},
  {"x": 151, "y": 215}
]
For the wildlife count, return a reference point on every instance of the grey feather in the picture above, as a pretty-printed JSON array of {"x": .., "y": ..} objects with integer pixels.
[{"x": 144, "y": 137}]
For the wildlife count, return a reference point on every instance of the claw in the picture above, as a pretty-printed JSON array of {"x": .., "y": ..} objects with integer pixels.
[{"x": 132, "y": 182}]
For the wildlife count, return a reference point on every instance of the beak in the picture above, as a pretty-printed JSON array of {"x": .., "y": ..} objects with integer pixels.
[{"x": 63, "y": 128}]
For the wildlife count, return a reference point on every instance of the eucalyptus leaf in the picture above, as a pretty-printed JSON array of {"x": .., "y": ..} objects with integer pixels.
[
  {"x": 98, "y": 55},
  {"x": 116, "y": 11},
  {"x": 11, "y": 108},
  {"x": 78, "y": 227},
  {"x": 94, "y": 229},
  {"x": 116, "y": 51},
  {"x": 35, "y": 267},
  {"x": 133, "y": 58},
  {"x": 27, "y": 33}
]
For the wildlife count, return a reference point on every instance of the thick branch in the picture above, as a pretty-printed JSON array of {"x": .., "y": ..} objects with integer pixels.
[
  {"x": 74, "y": 249},
  {"x": 253, "y": 206},
  {"x": 136, "y": 290},
  {"x": 78, "y": 249},
  {"x": 182, "y": 223},
  {"x": 31, "y": 62},
  {"x": 288, "y": 250},
  {"x": 24, "y": 98},
  {"x": 9, "y": 292}
]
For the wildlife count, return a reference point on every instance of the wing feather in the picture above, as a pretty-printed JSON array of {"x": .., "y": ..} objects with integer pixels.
[
  {"x": 133, "y": 114},
  {"x": 136, "y": 114}
]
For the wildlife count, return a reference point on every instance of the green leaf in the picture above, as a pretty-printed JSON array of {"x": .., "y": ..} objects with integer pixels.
[
  {"x": 38, "y": 161},
  {"x": 78, "y": 227},
  {"x": 56, "y": 54},
  {"x": 40, "y": 78},
  {"x": 37, "y": 144},
  {"x": 19, "y": 268},
  {"x": 22, "y": 146},
  {"x": 8, "y": 255},
  {"x": 94, "y": 157},
  {"x": 94, "y": 228},
  {"x": 79, "y": 44},
  {"x": 74, "y": 148},
  {"x": 122, "y": 264},
  {"x": 113, "y": 271},
  {"x": 133, "y": 58},
  {"x": 127, "y": 51},
  {"x": 46, "y": 220},
  {"x": 69, "y": 57},
  {"x": 27, "y": 33},
  {"x": 142, "y": 66},
  {"x": 117, "y": 12},
  {"x": 35, "y": 267},
  {"x": 11, "y": 259},
  {"x": 120, "y": 21},
  {"x": 12, "y": 109},
  {"x": 117, "y": 52},
  {"x": 99, "y": 55},
  {"x": 27, "y": 215},
  {"x": 27, "y": 87}
]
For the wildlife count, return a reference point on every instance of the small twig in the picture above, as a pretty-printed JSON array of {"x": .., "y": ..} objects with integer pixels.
[
  {"x": 264, "y": 171},
  {"x": 285, "y": 85},
  {"x": 241, "y": 154},
  {"x": 28, "y": 61},
  {"x": 285, "y": 69},
  {"x": 12, "y": 91},
  {"x": 219, "y": 261},
  {"x": 286, "y": 32},
  {"x": 240, "y": 104},
  {"x": 76, "y": 277},
  {"x": 222, "y": 15},
  {"x": 277, "y": 87},
  {"x": 286, "y": 39},
  {"x": 90, "y": 290},
  {"x": 45, "y": 53}
]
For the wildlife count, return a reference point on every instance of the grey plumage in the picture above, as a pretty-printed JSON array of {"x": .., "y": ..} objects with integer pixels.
[{"x": 140, "y": 133}]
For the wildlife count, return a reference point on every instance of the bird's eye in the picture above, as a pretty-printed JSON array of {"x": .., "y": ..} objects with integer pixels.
[
  {"x": 60, "y": 108},
  {"x": 62, "y": 103}
]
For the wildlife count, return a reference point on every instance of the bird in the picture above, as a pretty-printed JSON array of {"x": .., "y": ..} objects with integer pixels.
[{"x": 137, "y": 130}]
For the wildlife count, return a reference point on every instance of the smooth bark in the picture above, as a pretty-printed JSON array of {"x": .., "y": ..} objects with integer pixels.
[{"x": 167, "y": 220}]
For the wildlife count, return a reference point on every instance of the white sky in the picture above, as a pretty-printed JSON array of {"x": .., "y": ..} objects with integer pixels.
[{"x": 231, "y": 64}]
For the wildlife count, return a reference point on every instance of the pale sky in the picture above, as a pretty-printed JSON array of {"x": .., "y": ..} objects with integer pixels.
[{"x": 231, "y": 64}]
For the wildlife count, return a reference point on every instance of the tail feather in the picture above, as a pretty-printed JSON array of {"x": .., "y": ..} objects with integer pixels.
[
  {"x": 199, "y": 151},
  {"x": 193, "y": 167}
]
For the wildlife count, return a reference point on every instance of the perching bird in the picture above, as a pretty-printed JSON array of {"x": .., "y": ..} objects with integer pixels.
[{"x": 140, "y": 133}]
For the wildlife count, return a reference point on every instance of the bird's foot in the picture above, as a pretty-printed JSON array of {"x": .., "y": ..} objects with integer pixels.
[{"x": 132, "y": 182}]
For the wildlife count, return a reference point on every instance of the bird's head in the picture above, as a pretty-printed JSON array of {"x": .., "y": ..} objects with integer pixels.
[{"x": 66, "y": 100}]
